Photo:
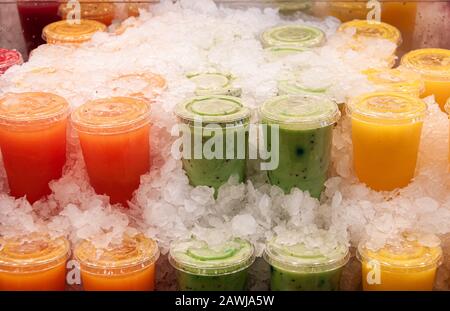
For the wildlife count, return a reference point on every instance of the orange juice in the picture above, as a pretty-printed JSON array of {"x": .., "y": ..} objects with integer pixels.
[
  {"x": 434, "y": 66},
  {"x": 386, "y": 130},
  {"x": 126, "y": 266},
  {"x": 33, "y": 141},
  {"x": 396, "y": 80},
  {"x": 114, "y": 137},
  {"x": 71, "y": 32},
  {"x": 100, "y": 11},
  {"x": 407, "y": 265},
  {"x": 33, "y": 262}
]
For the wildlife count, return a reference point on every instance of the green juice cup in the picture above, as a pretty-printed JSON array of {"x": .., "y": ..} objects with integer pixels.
[
  {"x": 209, "y": 117},
  {"x": 298, "y": 268},
  {"x": 305, "y": 125},
  {"x": 293, "y": 36},
  {"x": 219, "y": 268},
  {"x": 214, "y": 83}
]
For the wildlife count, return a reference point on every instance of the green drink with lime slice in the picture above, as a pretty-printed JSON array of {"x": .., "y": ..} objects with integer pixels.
[
  {"x": 299, "y": 268},
  {"x": 305, "y": 125},
  {"x": 207, "y": 161},
  {"x": 222, "y": 267},
  {"x": 298, "y": 36}
]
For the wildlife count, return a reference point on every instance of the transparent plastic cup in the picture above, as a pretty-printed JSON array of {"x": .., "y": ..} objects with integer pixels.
[
  {"x": 127, "y": 266},
  {"x": 408, "y": 265},
  {"x": 225, "y": 116},
  {"x": 434, "y": 66},
  {"x": 294, "y": 36},
  {"x": 305, "y": 124},
  {"x": 214, "y": 83},
  {"x": 144, "y": 85},
  {"x": 220, "y": 268},
  {"x": 114, "y": 136},
  {"x": 396, "y": 80},
  {"x": 299, "y": 268},
  {"x": 101, "y": 10},
  {"x": 71, "y": 32},
  {"x": 373, "y": 29},
  {"x": 33, "y": 262},
  {"x": 343, "y": 10},
  {"x": 386, "y": 130},
  {"x": 9, "y": 58},
  {"x": 33, "y": 141}
]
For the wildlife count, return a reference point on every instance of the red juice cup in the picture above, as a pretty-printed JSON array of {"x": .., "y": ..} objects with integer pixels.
[
  {"x": 33, "y": 141},
  {"x": 114, "y": 137},
  {"x": 9, "y": 58},
  {"x": 34, "y": 16}
]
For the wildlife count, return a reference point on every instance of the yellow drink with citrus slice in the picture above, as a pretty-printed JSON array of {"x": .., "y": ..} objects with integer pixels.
[
  {"x": 71, "y": 32},
  {"x": 396, "y": 80}
]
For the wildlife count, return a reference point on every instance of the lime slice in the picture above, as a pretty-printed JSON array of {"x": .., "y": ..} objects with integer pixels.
[{"x": 209, "y": 254}]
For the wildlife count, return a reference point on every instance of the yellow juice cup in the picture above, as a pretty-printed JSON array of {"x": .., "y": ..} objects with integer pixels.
[
  {"x": 71, "y": 32},
  {"x": 100, "y": 10},
  {"x": 386, "y": 130},
  {"x": 434, "y": 66},
  {"x": 343, "y": 10},
  {"x": 405, "y": 266},
  {"x": 396, "y": 80},
  {"x": 373, "y": 29}
]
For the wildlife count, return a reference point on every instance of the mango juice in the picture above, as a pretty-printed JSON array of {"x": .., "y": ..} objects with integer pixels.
[
  {"x": 33, "y": 262},
  {"x": 386, "y": 130},
  {"x": 33, "y": 141},
  {"x": 114, "y": 138},
  {"x": 71, "y": 32},
  {"x": 434, "y": 66},
  {"x": 396, "y": 80}
]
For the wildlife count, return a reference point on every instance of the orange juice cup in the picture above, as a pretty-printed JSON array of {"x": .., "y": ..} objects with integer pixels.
[
  {"x": 434, "y": 66},
  {"x": 114, "y": 137},
  {"x": 100, "y": 11},
  {"x": 406, "y": 266},
  {"x": 386, "y": 130},
  {"x": 33, "y": 262},
  {"x": 71, "y": 32},
  {"x": 33, "y": 141},
  {"x": 396, "y": 80},
  {"x": 128, "y": 266}
]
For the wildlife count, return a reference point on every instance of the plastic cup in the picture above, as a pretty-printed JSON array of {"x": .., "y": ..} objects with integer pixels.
[
  {"x": 144, "y": 85},
  {"x": 405, "y": 266},
  {"x": 299, "y": 268},
  {"x": 343, "y": 10},
  {"x": 228, "y": 120},
  {"x": 386, "y": 130},
  {"x": 297, "y": 36},
  {"x": 280, "y": 51},
  {"x": 373, "y": 29},
  {"x": 396, "y": 80},
  {"x": 127, "y": 266},
  {"x": 305, "y": 124},
  {"x": 434, "y": 66},
  {"x": 33, "y": 262},
  {"x": 114, "y": 137},
  {"x": 33, "y": 141},
  {"x": 447, "y": 109},
  {"x": 9, "y": 58},
  {"x": 220, "y": 268},
  {"x": 214, "y": 83},
  {"x": 100, "y": 11},
  {"x": 71, "y": 32}
]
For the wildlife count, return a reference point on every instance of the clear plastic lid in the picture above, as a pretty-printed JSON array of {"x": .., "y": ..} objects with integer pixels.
[
  {"x": 111, "y": 115},
  {"x": 71, "y": 31},
  {"x": 32, "y": 253},
  {"x": 99, "y": 10},
  {"x": 401, "y": 80},
  {"x": 214, "y": 83},
  {"x": 408, "y": 254},
  {"x": 300, "y": 36},
  {"x": 301, "y": 111},
  {"x": 139, "y": 84},
  {"x": 430, "y": 63},
  {"x": 387, "y": 107},
  {"x": 218, "y": 109},
  {"x": 196, "y": 257},
  {"x": 281, "y": 51},
  {"x": 374, "y": 29},
  {"x": 9, "y": 58},
  {"x": 301, "y": 259},
  {"x": 293, "y": 87},
  {"x": 32, "y": 109},
  {"x": 134, "y": 253}
]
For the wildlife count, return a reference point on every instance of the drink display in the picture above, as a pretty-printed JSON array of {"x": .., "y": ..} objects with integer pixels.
[
  {"x": 296, "y": 36},
  {"x": 434, "y": 66},
  {"x": 222, "y": 267},
  {"x": 100, "y": 11},
  {"x": 407, "y": 265},
  {"x": 396, "y": 80},
  {"x": 299, "y": 268},
  {"x": 34, "y": 16},
  {"x": 386, "y": 130},
  {"x": 214, "y": 83},
  {"x": 114, "y": 137},
  {"x": 9, "y": 58},
  {"x": 33, "y": 262},
  {"x": 305, "y": 138},
  {"x": 33, "y": 141},
  {"x": 71, "y": 32},
  {"x": 125, "y": 266},
  {"x": 225, "y": 116}
]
